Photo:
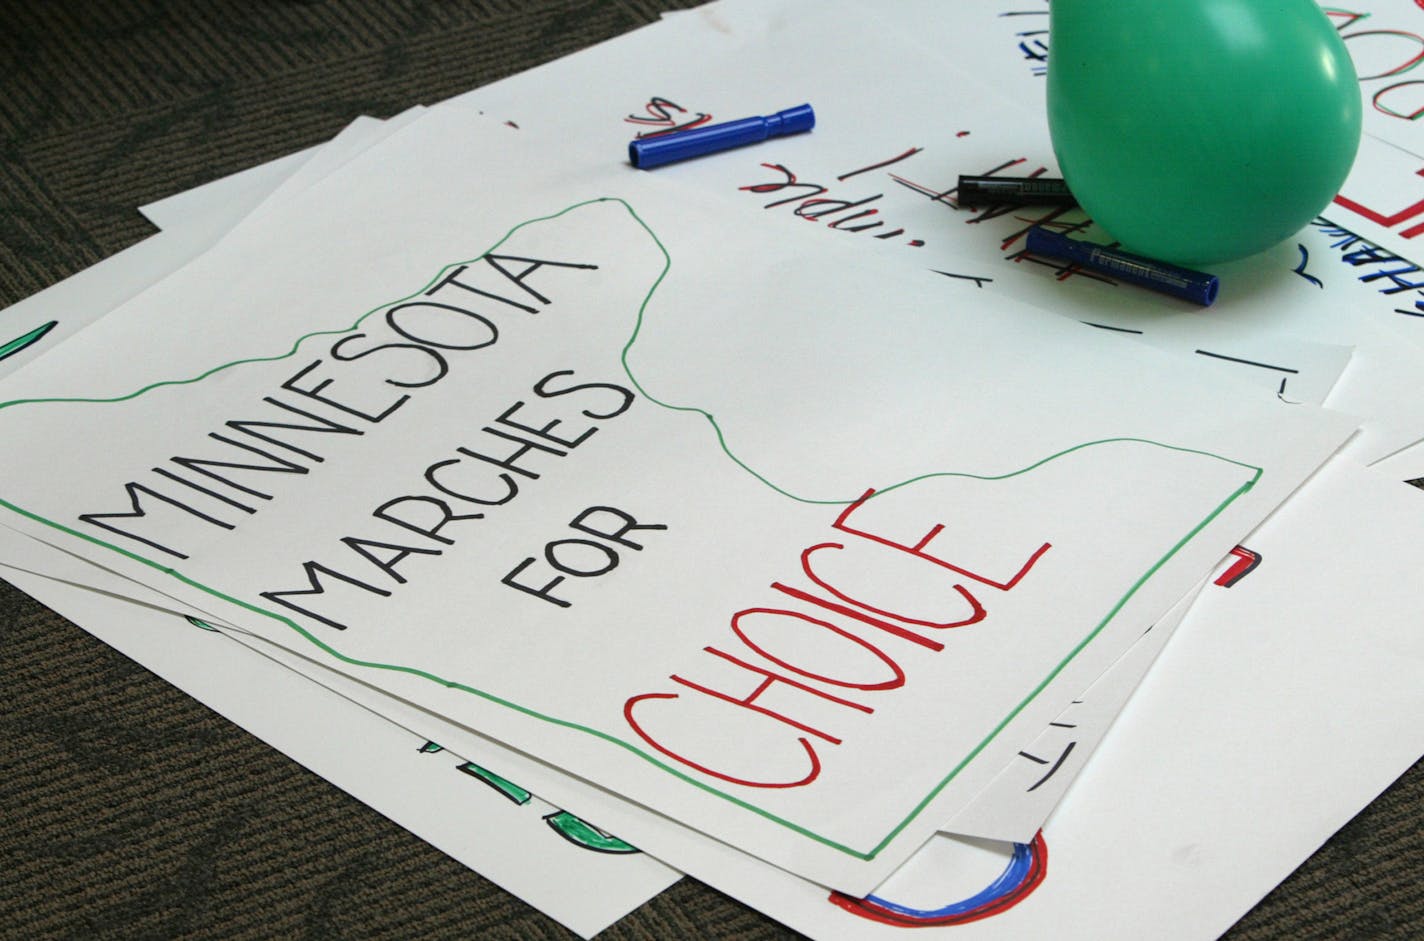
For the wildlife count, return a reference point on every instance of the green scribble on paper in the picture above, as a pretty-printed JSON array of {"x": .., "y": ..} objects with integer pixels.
[
  {"x": 503, "y": 785},
  {"x": 586, "y": 835}
]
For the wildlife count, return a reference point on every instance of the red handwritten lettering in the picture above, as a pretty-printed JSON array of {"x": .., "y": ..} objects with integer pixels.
[
  {"x": 788, "y": 692},
  {"x": 637, "y": 727}
]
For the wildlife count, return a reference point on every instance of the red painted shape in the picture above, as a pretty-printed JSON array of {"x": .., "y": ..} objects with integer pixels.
[
  {"x": 1246, "y": 561},
  {"x": 1409, "y": 212}
]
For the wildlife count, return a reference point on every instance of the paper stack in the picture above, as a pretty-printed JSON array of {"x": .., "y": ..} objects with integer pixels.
[{"x": 769, "y": 513}]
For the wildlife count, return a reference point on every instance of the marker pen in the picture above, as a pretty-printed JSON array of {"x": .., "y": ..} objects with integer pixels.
[
  {"x": 1195, "y": 286},
  {"x": 1013, "y": 190},
  {"x": 648, "y": 152}
]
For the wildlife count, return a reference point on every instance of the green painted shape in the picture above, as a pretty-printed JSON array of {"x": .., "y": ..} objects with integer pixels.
[
  {"x": 505, "y": 786},
  {"x": 430, "y": 748},
  {"x": 586, "y": 835},
  {"x": 196, "y": 622},
  {"x": 26, "y": 340},
  {"x": 606, "y": 737}
]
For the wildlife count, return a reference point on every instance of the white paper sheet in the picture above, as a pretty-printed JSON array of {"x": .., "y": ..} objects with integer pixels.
[
  {"x": 1009, "y": 808},
  {"x": 1043, "y": 770},
  {"x": 1405, "y": 465},
  {"x": 437, "y": 190},
  {"x": 354, "y": 140},
  {"x": 901, "y": 162},
  {"x": 1189, "y": 798}
]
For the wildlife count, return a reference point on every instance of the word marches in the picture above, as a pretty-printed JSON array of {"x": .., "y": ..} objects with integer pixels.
[
  {"x": 847, "y": 663},
  {"x": 457, "y": 490}
]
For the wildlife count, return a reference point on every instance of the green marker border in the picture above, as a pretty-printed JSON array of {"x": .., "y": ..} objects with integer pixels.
[{"x": 717, "y": 430}]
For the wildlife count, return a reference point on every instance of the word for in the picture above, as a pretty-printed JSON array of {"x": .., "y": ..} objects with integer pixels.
[
  {"x": 582, "y": 558},
  {"x": 847, "y": 663}
]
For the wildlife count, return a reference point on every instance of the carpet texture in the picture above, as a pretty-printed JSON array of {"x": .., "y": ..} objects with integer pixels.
[{"x": 127, "y": 809}]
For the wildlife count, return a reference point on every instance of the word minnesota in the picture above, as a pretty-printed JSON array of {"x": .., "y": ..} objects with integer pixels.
[{"x": 364, "y": 379}]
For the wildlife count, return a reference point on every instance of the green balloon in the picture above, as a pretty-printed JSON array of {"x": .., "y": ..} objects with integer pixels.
[{"x": 1196, "y": 131}]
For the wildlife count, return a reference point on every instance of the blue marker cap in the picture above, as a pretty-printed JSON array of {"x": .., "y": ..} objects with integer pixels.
[
  {"x": 1195, "y": 286},
  {"x": 648, "y": 152}
]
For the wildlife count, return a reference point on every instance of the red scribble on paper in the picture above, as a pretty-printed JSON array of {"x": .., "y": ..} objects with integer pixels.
[{"x": 664, "y": 116}]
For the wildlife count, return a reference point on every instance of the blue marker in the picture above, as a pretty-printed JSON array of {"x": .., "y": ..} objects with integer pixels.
[
  {"x": 1195, "y": 286},
  {"x": 648, "y": 152}
]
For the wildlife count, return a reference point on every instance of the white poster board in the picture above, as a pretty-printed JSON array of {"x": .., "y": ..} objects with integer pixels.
[{"x": 397, "y": 406}]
